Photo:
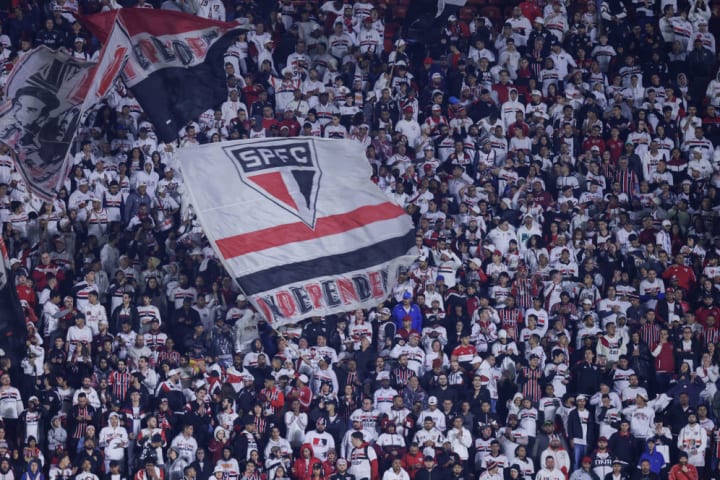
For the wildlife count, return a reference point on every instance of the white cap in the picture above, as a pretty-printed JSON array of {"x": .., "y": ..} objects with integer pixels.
[
  {"x": 432, "y": 400},
  {"x": 303, "y": 378},
  {"x": 383, "y": 376},
  {"x": 502, "y": 333},
  {"x": 240, "y": 298}
]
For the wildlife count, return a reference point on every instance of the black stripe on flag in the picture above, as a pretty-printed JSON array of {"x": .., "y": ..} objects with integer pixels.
[
  {"x": 362, "y": 258},
  {"x": 173, "y": 96}
]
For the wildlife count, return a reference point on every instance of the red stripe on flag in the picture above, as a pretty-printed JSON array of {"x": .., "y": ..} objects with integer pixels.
[
  {"x": 153, "y": 22},
  {"x": 238, "y": 245}
]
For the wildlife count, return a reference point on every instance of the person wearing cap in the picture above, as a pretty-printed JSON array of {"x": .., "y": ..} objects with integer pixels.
[
  {"x": 32, "y": 421},
  {"x": 368, "y": 38},
  {"x": 320, "y": 439},
  {"x": 693, "y": 440},
  {"x": 585, "y": 472},
  {"x": 384, "y": 395},
  {"x": 581, "y": 429},
  {"x": 407, "y": 308},
  {"x": 641, "y": 416}
]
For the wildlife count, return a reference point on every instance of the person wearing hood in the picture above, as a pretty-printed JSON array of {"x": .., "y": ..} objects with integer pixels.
[
  {"x": 302, "y": 467},
  {"x": 6, "y": 472},
  {"x": 34, "y": 471},
  {"x": 175, "y": 465},
  {"x": 220, "y": 440},
  {"x": 113, "y": 440},
  {"x": 655, "y": 459}
]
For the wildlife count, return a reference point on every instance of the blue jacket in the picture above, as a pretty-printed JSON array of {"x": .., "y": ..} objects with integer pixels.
[
  {"x": 655, "y": 458},
  {"x": 399, "y": 313}
]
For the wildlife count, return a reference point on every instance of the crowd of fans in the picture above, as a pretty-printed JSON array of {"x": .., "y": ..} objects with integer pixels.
[{"x": 561, "y": 319}]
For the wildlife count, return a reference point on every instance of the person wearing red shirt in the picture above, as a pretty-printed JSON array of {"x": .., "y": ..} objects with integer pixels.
[
  {"x": 464, "y": 352},
  {"x": 290, "y": 122},
  {"x": 412, "y": 461},
  {"x": 302, "y": 467},
  {"x": 684, "y": 274},
  {"x": 683, "y": 470},
  {"x": 251, "y": 90},
  {"x": 301, "y": 392},
  {"x": 46, "y": 266},
  {"x": 594, "y": 140},
  {"x": 25, "y": 292},
  {"x": 615, "y": 145},
  {"x": 664, "y": 360},
  {"x": 706, "y": 309}
]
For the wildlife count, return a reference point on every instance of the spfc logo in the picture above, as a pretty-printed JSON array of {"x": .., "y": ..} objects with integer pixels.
[{"x": 285, "y": 173}]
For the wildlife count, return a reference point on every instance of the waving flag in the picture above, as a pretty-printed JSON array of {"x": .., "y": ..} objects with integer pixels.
[
  {"x": 298, "y": 223},
  {"x": 50, "y": 91},
  {"x": 176, "y": 69}
]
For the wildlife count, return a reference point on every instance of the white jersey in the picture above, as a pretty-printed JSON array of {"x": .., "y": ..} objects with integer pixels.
[
  {"x": 642, "y": 420},
  {"x": 383, "y": 399},
  {"x": 186, "y": 447},
  {"x": 212, "y": 10},
  {"x": 11, "y": 404},
  {"x": 361, "y": 460},
  {"x": 94, "y": 316},
  {"x": 693, "y": 441},
  {"x": 321, "y": 443},
  {"x": 114, "y": 440},
  {"x": 393, "y": 475}
]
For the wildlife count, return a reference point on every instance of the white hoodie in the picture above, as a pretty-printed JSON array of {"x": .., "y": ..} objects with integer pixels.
[{"x": 114, "y": 439}]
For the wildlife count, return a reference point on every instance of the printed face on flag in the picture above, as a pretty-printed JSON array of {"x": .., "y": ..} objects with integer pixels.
[
  {"x": 44, "y": 113},
  {"x": 50, "y": 91}
]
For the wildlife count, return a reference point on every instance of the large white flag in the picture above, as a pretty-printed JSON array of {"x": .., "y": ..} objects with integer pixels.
[
  {"x": 50, "y": 91},
  {"x": 298, "y": 223}
]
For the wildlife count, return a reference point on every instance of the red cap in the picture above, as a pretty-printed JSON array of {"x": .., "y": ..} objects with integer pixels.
[{"x": 428, "y": 61}]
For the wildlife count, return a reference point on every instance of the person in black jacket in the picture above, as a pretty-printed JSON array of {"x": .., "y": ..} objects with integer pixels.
[
  {"x": 639, "y": 358},
  {"x": 622, "y": 444},
  {"x": 430, "y": 470},
  {"x": 587, "y": 374},
  {"x": 687, "y": 349},
  {"x": 581, "y": 429},
  {"x": 202, "y": 465}
]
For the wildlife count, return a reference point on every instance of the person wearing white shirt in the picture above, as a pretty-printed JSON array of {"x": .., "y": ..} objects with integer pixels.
[
  {"x": 549, "y": 472},
  {"x": 396, "y": 472},
  {"x": 693, "y": 440},
  {"x": 113, "y": 440}
]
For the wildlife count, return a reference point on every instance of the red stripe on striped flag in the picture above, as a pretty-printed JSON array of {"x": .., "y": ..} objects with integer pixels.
[{"x": 258, "y": 240}]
